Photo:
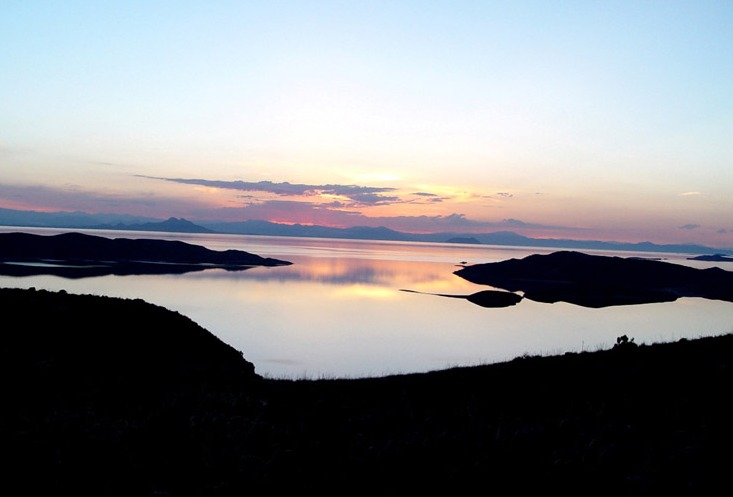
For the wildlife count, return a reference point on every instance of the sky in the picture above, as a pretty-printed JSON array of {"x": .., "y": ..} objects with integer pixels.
[{"x": 604, "y": 120}]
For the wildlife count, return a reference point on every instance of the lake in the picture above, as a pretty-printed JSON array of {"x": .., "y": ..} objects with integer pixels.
[{"x": 340, "y": 309}]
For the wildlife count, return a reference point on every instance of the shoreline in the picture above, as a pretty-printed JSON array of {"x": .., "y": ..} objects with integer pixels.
[{"x": 151, "y": 403}]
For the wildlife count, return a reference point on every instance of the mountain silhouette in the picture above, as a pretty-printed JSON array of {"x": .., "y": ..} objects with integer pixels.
[
  {"x": 172, "y": 224},
  {"x": 81, "y": 220}
]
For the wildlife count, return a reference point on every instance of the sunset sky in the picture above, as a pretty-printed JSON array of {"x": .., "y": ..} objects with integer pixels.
[{"x": 608, "y": 120}]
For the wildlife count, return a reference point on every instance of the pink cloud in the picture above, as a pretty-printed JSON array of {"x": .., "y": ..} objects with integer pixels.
[
  {"x": 291, "y": 212},
  {"x": 72, "y": 198}
]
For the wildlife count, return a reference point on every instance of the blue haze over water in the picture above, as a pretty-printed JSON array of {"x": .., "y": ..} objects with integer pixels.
[{"x": 339, "y": 310}]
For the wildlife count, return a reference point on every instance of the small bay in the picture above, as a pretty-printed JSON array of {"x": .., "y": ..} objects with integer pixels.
[{"x": 340, "y": 310}]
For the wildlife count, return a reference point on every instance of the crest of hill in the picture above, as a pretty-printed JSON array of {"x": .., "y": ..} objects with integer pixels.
[
  {"x": 599, "y": 281},
  {"x": 78, "y": 247},
  {"x": 74, "y": 342},
  {"x": 119, "y": 397}
]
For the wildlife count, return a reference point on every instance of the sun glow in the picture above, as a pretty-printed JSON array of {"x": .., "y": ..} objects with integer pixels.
[
  {"x": 208, "y": 190},
  {"x": 330, "y": 198},
  {"x": 456, "y": 194},
  {"x": 374, "y": 177},
  {"x": 386, "y": 115}
]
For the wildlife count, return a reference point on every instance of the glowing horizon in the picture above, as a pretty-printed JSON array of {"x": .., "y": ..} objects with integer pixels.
[{"x": 606, "y": 121}]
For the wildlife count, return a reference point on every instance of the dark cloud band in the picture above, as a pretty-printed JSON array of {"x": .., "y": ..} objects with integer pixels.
[{"x": 360, "y": 195}]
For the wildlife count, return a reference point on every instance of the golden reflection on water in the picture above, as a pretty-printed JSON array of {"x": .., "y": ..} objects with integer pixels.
[
  {"x": 338, "y": 310},
  {"x": 363, "y": 292}
]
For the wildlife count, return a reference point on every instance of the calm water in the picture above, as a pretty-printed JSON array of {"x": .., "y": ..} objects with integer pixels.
[{"x": 339, "y": 311}]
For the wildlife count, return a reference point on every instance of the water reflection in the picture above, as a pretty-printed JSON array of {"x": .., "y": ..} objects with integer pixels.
[
  {"x": 484, "y": 298},
  {"x": 351, "y": 271},
  {"x": 338, "y": 310}
]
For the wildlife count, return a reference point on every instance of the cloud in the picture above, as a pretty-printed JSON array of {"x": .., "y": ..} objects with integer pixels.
[
  {"x": 69, "y": 197},
  {"x": 499, "y": 195},
  {"x": 289, "y": 209},
  {"x": 328, "y": 205},
  {"x": 455, "y": 222},
  {"x": 304, "y": 212},
  {"x": 426, "y": 198},
  {"x": 359, "y": 195},
  {"x": 367, "y": 198},
  {"x": 690, "y": 194},
  {"x": 689, "y": 226},
  {"x": 514, "y": 222},
  {"x": 73, "y": 198},
  {"x": 280, "y": 211}
]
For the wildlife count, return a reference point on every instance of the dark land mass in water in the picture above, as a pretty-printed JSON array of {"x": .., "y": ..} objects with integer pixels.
[
  {"x": 600, "y": 281},
  {"x": 118, "y": 397},
  {"x": 76, "y": 255},
  {"x": 485, "y": 298},
  {"x": 712, "y": 258},
  {"x": 463, "y": 240}
]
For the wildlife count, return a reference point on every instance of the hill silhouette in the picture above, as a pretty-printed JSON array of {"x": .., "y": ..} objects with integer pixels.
[
  {"x": 81, "y": 255},
  {"x": 713, "y": 258},
  {"x": 117, "y": 397},
  {"x": 600, "y": 281}
]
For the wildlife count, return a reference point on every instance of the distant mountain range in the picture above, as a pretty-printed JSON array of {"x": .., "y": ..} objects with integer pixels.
[
  {"x": 172, "y": 224},
  {"x": 494, "y": 238},
  {"x": 80, "y": 220}
]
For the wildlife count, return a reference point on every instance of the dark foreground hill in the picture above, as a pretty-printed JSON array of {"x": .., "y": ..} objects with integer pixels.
[{"x": 108, "y": 397}]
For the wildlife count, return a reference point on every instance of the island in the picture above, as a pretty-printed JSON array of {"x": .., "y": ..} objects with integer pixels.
[
  {"x": 600, "y": 281},
  {"x": 77, "y": 255},
  {"x": 712, "y": 258},
  {"x": 465, "y": 240},
  {"x": 119, "y": 397}
]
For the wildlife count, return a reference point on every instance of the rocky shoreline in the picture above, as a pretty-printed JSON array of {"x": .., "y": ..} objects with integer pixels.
[{"x": 108, "y": 396}]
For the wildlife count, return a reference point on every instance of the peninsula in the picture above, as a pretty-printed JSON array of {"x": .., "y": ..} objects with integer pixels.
[
  {"x": 80, "y": 255},
  {"x": 600, "y": 281},
  {"x": 712, "y": 258}
]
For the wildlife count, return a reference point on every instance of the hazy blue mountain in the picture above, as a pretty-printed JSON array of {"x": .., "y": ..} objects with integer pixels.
[
  {"x": 463, "y": 239},
  {"x": 9, "y": 217},
  {"x": 172, "y": 224},
  {"x": 256, "y": 227},
  {"x": 496, "y": 238}
]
